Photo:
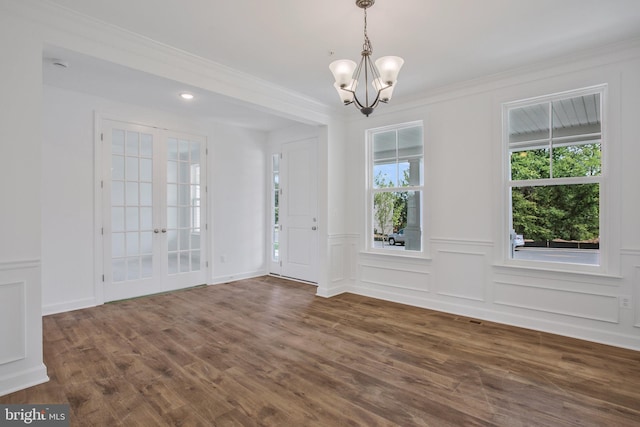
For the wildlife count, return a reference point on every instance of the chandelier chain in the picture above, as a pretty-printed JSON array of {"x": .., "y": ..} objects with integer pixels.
[{"x": 366, "y": 47}]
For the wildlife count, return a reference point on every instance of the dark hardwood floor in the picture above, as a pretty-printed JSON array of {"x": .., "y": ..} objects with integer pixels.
[{"x": 268, "y": 352}]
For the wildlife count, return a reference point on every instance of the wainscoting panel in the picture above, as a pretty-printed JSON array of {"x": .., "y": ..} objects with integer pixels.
[
  {"x": 569, "y": 303},
  {"x": 461, "y": 274},
  {"x": 636, "y": 297},
  {"x": 12, "y": 322},
  {"x": 400, "y": 277},
  {"x": 21, "y": 364},
  {"x": 337, "y": 254}
]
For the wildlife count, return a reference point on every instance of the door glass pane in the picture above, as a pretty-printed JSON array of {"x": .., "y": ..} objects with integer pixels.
[
  {"x": 146, "y": 194},
  {"x": 117, "y": 167},
  {"x": 146, "y": 242},
  {"x": 117, "y": 245},
  {"x": 117, "y": 141},
  {"x": 146, "y": 145},
  {"x": 133, "y": 143},
  {"x": 132, "y": 193},
  {"x": 146, "y": 170},
  {"x": 117, "y": 193}
]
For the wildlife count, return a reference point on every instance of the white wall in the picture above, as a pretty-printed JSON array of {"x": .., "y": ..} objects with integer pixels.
[
  {"x": 464, "y": 270},
  {"x": 239, "y": 195}
]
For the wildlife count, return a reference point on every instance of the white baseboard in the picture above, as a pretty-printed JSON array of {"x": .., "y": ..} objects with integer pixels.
[
  {"x": 235, "y": 277},
  {"x": 21, "y": 380},
  {"x": 68, "y": 306}
]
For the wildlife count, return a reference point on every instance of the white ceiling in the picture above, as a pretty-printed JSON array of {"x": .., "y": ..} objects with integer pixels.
[{"x": 288, "y": 42}]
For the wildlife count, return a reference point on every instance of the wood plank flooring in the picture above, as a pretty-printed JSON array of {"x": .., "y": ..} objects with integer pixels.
[{"x": 267, "y": 352}]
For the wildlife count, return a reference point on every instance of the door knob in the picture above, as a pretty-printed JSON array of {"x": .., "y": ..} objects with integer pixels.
[
  {"x": 155, "y": 230},
  {"x": 314, "y": 228},
  {"x": 164, "y": 230}
]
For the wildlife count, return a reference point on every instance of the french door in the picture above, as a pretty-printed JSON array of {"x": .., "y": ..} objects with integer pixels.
[{"x": 154, "y": 203}]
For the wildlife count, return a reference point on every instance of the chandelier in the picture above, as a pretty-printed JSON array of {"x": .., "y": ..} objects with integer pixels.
[{"x": 383, "y": 75}]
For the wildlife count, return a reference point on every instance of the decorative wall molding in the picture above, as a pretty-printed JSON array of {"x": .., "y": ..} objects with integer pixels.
[
  {"x": 453, "y": 281},
  {"x": 463, "y": 242},
  {"x": 13, "y": 300},
  {"x": 337, "y": 258},
  {"x": 585, "y": 305},
  {"x": 19, "y": 264},
  {"x": 395, "y": 277},
  {"x": 635, "y": 284},
  {"x": 564, "y": 275}
]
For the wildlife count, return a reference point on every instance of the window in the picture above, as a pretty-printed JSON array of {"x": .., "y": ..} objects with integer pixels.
[
  {"x": 275, "y": 207},
  {"x": 396, "y": 187},
  {"x": 555, "y": 179}
]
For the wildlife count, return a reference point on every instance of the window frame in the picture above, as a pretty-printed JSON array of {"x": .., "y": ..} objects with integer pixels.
[
  {"x": 601, "y": 180},
  {"x": 371, "y": 190}
]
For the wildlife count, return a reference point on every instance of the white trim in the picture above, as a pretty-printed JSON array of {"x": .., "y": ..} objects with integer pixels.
[
  {"x": 239, "y": 276},
  {"x": 603, "y": 180},
  {"x": 615, "y": 318},
  {"x": 98, "y": 223},
  {"x": 23, "y": 379},
  {"x": 79, "y": 304},
  {"x": 369, "y": 224},
  {"x": 23, "y": 264},
  {"x": 18, "y": 354}
]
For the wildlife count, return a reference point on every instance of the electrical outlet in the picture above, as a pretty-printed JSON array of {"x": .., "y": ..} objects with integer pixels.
[{"x": 625, "y": 301}]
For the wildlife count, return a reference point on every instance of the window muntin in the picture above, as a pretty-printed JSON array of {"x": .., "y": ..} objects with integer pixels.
[
  {"x": 396, "y": 188},
  {"x": 555, "y": 176}
]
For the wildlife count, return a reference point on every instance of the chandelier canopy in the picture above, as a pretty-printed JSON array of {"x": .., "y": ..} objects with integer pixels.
[{"x": 383, "y": 75}]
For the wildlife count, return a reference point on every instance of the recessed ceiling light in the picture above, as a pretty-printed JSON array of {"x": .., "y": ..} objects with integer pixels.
[
  {"x": 60, "y": 63},
  {"x": 186, "y": 95}
]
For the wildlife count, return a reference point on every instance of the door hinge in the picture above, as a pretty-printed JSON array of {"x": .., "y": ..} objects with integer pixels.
[
  {"x": 102, "y": 231},
  {"x": 103, "y": 277},
  {"x": 207, "y": 264},
  {"x": 101, "y": 184},
  {"x": 280, "y": 263},
  {"x": 101, "y": 136},
  {"x": 206, "y": 226},
  {"x": 206, "y": 151},
  {"x": 280, "y": 155}
]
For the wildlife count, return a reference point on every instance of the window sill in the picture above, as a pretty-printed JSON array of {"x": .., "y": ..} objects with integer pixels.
[{"x": 548, "y": 271}]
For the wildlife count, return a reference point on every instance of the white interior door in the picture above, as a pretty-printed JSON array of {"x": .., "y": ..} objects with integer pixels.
[
  {"x": 298, "y": 240},
  {"x": 152, "y": 211}
]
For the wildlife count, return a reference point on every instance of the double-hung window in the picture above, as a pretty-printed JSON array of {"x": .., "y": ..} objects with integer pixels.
[
  {"x": 555, "y": 180},
  {"x": 396, "y": 187}
]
